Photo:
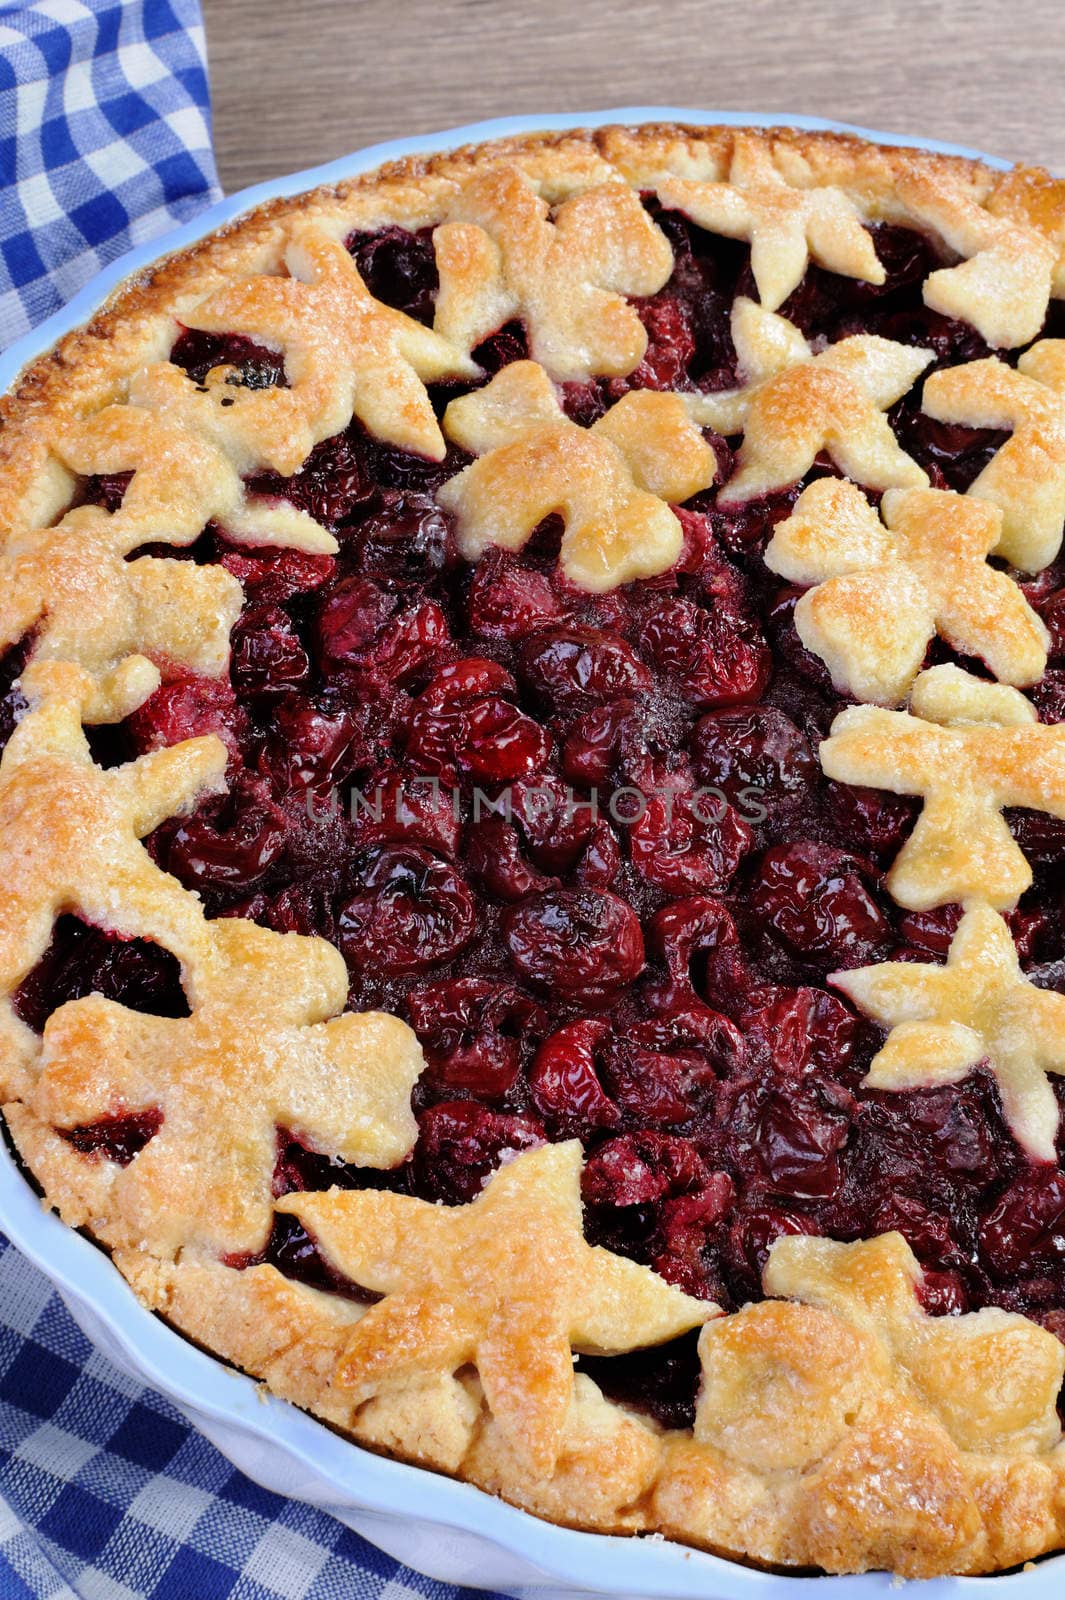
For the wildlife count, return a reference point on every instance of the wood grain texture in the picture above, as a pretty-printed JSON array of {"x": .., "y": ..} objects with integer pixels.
[{"x": 296, "y": 82}]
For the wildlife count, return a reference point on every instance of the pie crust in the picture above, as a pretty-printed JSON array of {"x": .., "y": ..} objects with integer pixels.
[{"x": 839, "y": 1425}]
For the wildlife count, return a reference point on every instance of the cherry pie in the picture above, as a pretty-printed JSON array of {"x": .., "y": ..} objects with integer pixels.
[{"x": 532, "y": 826}]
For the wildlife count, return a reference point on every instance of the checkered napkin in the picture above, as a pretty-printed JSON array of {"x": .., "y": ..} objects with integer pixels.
[
  {"x": 105, "y": 141},
  {"x": 105, "y": 1492}
]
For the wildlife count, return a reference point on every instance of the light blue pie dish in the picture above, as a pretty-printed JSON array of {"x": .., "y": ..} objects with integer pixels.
[{"x": 448, "y": 1530}]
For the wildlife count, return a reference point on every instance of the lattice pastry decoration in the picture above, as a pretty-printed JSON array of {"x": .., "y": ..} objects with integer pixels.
[
  {"x": 991, "y": 1377},
  {"x": 787, "y": 227},
  {"x": 969, "y": 748},
  {"x": 884, "y": 586},
  {"x": 507, "y": 1283},
  {"x": 72, "y": 585},
  {"x": 346, "y": 354},
  {"x": 841, "y": 1425},
  {"x": 1008, "y": 271},
  {"x": 612, "y": 483},
  {"x": 502, "y": 254},
  {"x": 70, "y": 835},
  {"x": 979, "y": 1008},
  {"x": 203, "y": 1181},
  {"x": 794, "y": 404},
  {"x": 1025, "y": 478}
]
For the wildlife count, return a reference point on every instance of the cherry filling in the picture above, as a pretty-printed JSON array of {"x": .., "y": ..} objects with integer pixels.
[
  {"x": 584, "y": 846},
  {"x": 81, "y": 960},
  {"x": 253, "y": 365},
  {"x": 118, "y": 1138}
]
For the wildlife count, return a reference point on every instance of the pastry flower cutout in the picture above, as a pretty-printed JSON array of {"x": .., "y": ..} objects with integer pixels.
[
  {"x": 794, "y": 404},
  {"x": 223, "y": 1087},
  {"x": 70, "y": 835},
  {"x": 1026, "y": 477},
  {"x": 787, "y": 226},
  {"x": 611, "y": 483},
  {"x": 73, "y": 586},
  {"x": 991, "y": 1377},
  {"x": 969, "y": 748},
  {"x": 346, "y": 354},
  {"x": 1003, "y": 286},
  {"x": 884, "y": 589},
  {"x": 945, "y": 1020},
  {"x": 507, "y": 1283},
  {"x": 502, "y": 254}
]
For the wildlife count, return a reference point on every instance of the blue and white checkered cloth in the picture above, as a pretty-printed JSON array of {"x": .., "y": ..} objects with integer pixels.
[
  {"x": 105, "y": 141},
  {"x": 105, "y": 1492}
]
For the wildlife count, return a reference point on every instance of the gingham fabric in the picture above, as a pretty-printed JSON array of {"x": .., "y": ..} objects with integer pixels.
[
  {"x": 105, "y": 1492},
  {"x": 105, "y": 141}
]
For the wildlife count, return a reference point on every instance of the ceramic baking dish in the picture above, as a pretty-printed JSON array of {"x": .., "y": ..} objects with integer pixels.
[{"x": 445, "y": 1529}]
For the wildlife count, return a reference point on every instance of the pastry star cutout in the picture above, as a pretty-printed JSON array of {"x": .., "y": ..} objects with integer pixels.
[
  {"x": 1026, "y": 477},
  {"x": 883, "y": 590},
  {"x": 224, "y": 1085},
  {"x": 969, "y": 748},
  {"x": 507, "y": 1283},
  {"x": 1003, "y": 286},
  {"x": 70, "y": 834},
  {"x": 794, "y": 404},
  {"x": 73, "y": 586},
  {"x": 611, "y": 482},
  {"x": 345, "y": 354},
  {"x": 979, "y": 1007},
  {"x": 501, "y": 254},
  {"x": 786, "y": 226},
  {"x": 990, "y": 1376}
]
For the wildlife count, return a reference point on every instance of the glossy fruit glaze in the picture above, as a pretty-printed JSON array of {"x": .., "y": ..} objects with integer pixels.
[{"x": 648, "y": 976}]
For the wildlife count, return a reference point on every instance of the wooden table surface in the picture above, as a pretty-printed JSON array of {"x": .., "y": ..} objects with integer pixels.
[{"x": 297, "y": 82}]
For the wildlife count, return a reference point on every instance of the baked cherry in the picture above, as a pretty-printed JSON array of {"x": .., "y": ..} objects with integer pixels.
[
  {"x": 474, "y": 1032},
  {"x": 461, "y": 1144},
  {"x": 694, "y": 937},
  {"x": 639, "y": 1169},
  {"x": 562, "y": 833},
  {"x": 818, "y": 900},
  {"x": 82, "y": 960},
  {"x": 795, "y": 1031},
  {"x": 268, "y": 657},
  {"x": 871, "y": 820},
  {"x": 798, "y": 1134},
  {"x": 670, "y": 344},
  {"x": 270, "y": 577},
  {"x": 412, "y": 912},
  {"x": 757, "y": 758},
  {"x": 255, "y": 366},
  {"x": 581, "y": 944},
  {"x": 688, "y": 841},
  {"x": 565, "y": 1086},
  {"x": 655, "y": 1088},
  {"x": 393, "y": 806},
  {"x": 405, "y": 543},
  {"x": 570, "y": 669},
  {"x": 498, "y": 863},
  {"x": 333, "y": 485},
  {"x": 714, "y": 657},
  {"x": 508, "y": 600},
  {"x": 454, "y": 729},
  {"x": 188, "y": 708},
  {"x": 1025, "y": 1228},
  {"x": 229, "y": 844},
  {"x": 313, "y": 744},
  {"x": 364, "y": 627},
  {"x": 399, "y": 268},
  {"x": 119, "y": 1138}
]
